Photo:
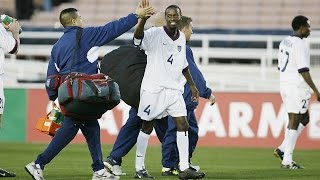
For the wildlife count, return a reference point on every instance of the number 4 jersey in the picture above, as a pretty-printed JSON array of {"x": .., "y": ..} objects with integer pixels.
[
  {"x": 166, "y": 58},
  {"x": 293, "y": 58}
]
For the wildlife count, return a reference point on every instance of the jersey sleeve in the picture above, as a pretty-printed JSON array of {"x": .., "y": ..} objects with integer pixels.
[
  {"x": 98, "y": 36},
  {"x": 146, "y": 41},
  {"x": 301, "y": 53},
  {"x": 8, "y": 43},
  {"x": 52, "y": 73}
]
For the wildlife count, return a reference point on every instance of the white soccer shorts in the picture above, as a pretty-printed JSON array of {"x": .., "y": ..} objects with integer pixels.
[
  {"x": 296, "y": 99},
  {"x": 158, "y": 105}
]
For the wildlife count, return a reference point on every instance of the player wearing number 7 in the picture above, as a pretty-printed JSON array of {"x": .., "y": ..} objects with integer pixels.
[{"x": 295, "y": 84}]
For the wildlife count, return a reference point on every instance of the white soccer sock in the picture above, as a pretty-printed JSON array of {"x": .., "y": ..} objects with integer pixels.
[
  {"x": 183, "y": 147},
  {"x": 300, "y": 128},
  {"x": 142, "y": 143},
  {"x": 284, "y": 142},
  {"x": 291, "y": 142}
]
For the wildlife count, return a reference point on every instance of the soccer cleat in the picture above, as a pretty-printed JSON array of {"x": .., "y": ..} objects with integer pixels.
[
  {"x": 169, "y": 171},
  {"x": 143, "y": 174},
  {"x": 190, "y": 174},
  {"x": 202, "y": 174},
  {"x": 195, "y": 167},
  {"x": 278, "y": 154},
  {"x": 104, "y": 176},
  {"x": 292, "y": 166},
  {"x": 4, "y": 173},
  {"x": 35, "y": 171},
  {"x": 113, "y": 167}
]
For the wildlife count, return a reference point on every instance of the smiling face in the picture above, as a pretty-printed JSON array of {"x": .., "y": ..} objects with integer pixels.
[{"x": 173, "y": 16}]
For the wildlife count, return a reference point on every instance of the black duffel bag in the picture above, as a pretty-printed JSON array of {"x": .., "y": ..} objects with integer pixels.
[{"x": 87, "y": 97}]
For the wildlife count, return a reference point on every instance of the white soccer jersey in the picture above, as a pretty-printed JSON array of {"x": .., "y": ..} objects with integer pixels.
[
  {"x": 7, "y": 43},
  {"x": 293, "y": 57},
  {"x": 165, "y": 60}
]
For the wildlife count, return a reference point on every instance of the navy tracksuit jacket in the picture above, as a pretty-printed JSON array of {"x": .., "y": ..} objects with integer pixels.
[{"x": 61, "y": 62}]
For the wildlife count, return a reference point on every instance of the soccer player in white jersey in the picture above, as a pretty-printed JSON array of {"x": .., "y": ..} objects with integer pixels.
[
  {"x": 162, "y": 87},
  {"x": 9, "y": 43},
  {"x": 295, "y": 84}
]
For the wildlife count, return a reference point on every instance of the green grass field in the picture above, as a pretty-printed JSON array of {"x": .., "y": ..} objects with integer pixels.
[{"x": 74, "y": 162}]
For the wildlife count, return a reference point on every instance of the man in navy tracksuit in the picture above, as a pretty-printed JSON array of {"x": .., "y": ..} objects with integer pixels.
[
  {"x": 62, "y": 61},
  {"x": 165, "y": 128}
]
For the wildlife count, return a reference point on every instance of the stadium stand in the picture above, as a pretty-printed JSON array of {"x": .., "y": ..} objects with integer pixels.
[
  {"x": 7, "y": 7},
  {"x": 243, "y": 14},
  {"x": 235, "y": 41}
]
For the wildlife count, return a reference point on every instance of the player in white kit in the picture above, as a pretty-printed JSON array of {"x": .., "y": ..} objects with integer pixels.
[
  {"x": 162, "y": 87},
  {"x": 295, "y": 84},
  {"x": 9, "y": 43}
]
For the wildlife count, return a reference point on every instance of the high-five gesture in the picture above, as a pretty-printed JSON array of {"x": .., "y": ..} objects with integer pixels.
[{"x": 144, "y": 10}]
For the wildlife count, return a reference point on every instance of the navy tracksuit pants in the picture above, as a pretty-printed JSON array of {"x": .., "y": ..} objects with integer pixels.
[{"x": 91, "y": 131}]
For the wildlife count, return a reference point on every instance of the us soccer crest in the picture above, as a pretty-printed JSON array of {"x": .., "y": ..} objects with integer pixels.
[{"x": 179, "y": 48}]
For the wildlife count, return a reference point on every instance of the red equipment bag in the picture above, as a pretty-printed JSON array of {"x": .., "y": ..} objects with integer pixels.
[{"x": 87, "y": 97}]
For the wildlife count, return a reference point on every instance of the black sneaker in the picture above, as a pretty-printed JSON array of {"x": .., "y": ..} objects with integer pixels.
[
  {"x": 292, "y": 166},
  {"x": 278, "y": 154},
  {"x": 169, "y": 171},
  {"x": 4, "y": 173},
  {"x": 190, "y": 174},
  {"x": 143, "y": 174},
  {"x": 202, "y": 174}
]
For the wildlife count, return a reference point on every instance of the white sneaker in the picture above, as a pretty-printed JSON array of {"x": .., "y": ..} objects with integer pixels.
[
  {"x": 35, "y": 171},
  {"x": 105, "y": 175},
  {"x": 115, "y": 169}
]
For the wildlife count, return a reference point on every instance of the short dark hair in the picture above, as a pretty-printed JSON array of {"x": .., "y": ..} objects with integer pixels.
[
  {"x": 299, "y": 21},
  {"x": 67, "y": 15},
  {"x": 184, "y": 22},
  {"x": 173, "y": 7}
]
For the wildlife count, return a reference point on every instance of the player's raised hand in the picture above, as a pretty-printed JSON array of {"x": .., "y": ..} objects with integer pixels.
[
  {"x": 144, "y": 10},
  {"x": 145, "y": 3}
]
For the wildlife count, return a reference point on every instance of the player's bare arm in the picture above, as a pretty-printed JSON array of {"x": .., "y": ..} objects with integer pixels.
[
  {"x": 138, "y": 32},
  {"x": 307, "y": 77},
  {"x": 193, "y": 88}
]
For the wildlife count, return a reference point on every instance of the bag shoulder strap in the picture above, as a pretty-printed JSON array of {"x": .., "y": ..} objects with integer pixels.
[{"x": 76, "y": 51}]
